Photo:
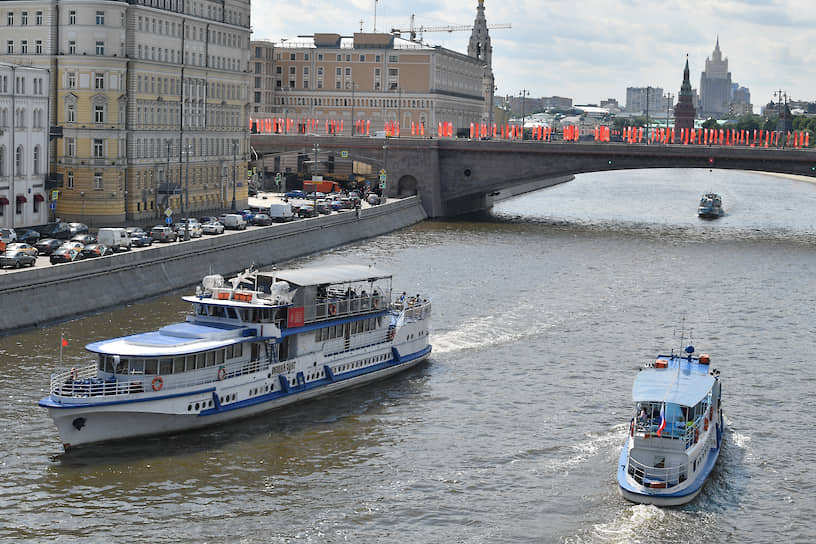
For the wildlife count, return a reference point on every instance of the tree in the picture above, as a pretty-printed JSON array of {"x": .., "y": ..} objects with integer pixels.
[{"x": 711, "y": 123}]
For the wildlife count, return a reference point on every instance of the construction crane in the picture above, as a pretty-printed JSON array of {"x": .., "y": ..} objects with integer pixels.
[{"x": 413, "y": 29}]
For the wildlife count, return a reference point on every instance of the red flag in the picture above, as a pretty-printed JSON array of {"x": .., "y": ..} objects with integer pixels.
[{"x": 64, "y": 342}]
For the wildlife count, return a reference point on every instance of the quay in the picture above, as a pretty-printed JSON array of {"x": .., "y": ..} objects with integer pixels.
[{"x": 49, "y": 294}]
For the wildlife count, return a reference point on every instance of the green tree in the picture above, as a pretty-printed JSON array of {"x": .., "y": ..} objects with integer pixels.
[{"x": 711, "y": 123}]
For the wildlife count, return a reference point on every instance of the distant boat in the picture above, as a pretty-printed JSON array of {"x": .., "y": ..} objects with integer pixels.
[
  {"x": 676, "y": 432},
  {"x": 710, "y": 206}
]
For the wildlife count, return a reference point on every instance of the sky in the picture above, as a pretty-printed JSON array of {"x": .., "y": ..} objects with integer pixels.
[{"x": 590, "y": 50}]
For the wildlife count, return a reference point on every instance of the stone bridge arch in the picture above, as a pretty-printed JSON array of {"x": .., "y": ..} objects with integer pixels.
[{"x": 407, "y": 186}]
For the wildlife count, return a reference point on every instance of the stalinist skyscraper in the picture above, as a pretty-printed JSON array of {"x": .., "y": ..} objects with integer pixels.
[
  {"x": 715, "y": 84},
  {"x": 479, "y": 47}
]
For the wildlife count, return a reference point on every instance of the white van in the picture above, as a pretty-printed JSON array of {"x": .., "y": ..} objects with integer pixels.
[
  {"x": 233, "y": 221},
  {"x": 281, "y": 213},
  {"x": 117, "y": 239}
]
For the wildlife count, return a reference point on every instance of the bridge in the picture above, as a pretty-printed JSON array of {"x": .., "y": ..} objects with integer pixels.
[{"x": 455, "y": 176}]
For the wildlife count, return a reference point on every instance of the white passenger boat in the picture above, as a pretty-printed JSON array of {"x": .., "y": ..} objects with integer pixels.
[
  {"x": 675, "y": 436},
  {"x": 254, "y": 343}
]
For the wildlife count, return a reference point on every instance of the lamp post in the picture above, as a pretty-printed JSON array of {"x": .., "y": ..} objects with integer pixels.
[
  {"x": 524, "y": 93},
  {"x": 647, "y": 114},
  {"x": 186, "y": 201},
  {"x": 315, "y": 147},
  {"x": 353, "y": 87},
  {"x": 234, "y": 169},
  {"x": 668, "y": 110}
]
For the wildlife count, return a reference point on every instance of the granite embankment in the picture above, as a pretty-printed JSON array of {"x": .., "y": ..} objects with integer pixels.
[{"x": 33, "y": 297}]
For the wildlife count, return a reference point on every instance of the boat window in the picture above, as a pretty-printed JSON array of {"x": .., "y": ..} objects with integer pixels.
[
  {"x": 231, "y": 313},
  {"x": 210, "y": 358},
  {"x": 166, "y": 366},
  {"x": 189, "y": 363},
  {"x": 228, "y": 351},
  {"x": 201, "y": 309},
  {"x": 122, "y": 367},
  {"x": 137, "y": 366},
  {"x": 200, "y": 360},
  {"x": 150, "y": 366},
  {"x": 219, "y": 357},
  {"x": 238, "y": 350},
  {"x": 178, "y": 365}
]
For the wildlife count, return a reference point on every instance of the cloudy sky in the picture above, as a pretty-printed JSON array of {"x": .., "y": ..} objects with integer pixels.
[{"x": 591, "y": 50}]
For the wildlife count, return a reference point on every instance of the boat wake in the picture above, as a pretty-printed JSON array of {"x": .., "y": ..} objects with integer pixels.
[{"x": 596, "y": 443}]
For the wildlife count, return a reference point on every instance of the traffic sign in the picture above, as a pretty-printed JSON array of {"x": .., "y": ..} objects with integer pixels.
[
  {"x": 54, "y": 196},
  {"x": 168, "y": 212},
  {"x": 52, "y": 205},
  {"x": 382, "y": 171},
  {"x": 383, "y": 178},
  {"x": 344, "y": 154},
  {"x": 168, "y": 220}
]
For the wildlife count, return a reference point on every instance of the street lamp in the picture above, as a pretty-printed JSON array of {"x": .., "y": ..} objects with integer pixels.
[
  {"x": 234, "y": 169},
  {"x": 316, "y": 147},
  {"x": 647, "y": 113},
  {"x": 186, "y": 201},
  {"x": 523, "y": 94}
]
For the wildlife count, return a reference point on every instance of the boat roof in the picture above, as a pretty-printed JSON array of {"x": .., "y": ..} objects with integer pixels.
[
  {"x": 329, "y": 274},
  {"x": 683, "y": 382},
  {"x": 176, "y": 339}
]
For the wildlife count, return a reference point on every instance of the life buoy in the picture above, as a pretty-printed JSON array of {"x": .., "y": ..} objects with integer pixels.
[
  {"x": 332, "y": 309},
  {"x": 158, "y": 383},
  {"x": 705, "y": 424},
  {"x": 222, "y": 374}
]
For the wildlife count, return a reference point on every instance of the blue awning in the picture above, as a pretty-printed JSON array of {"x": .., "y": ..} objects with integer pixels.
[{"x": 686, "y": 387}]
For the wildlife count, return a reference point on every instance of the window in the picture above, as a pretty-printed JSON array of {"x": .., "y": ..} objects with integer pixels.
[
  {"x": 99, "y": 114},
  {"x": 38, "y": 18},
  {"x": 19, "y": 161},
  {"x": 24, "y": 18},
  {"x": 10, "y": 18},
  {"x": 72, "y": 47},
  {"x": 100, "y": 48},
  {"x": 362, "y": 58},
  {"x": 36, "y": 162},
  {"x": 72, "y": 17},
  {"x": 98, "y": 148},
  {"x": 24, "y": 47},
  {"x": 292, "y": 70},
  {"x": 100, "y": 17},
  {"x": 99, "y": 80},
  {"x": 10, "y": 47},
  {"x": 70, "y": 113},
  {"x": 38, "y": 47},
  {"x": 393, "y": 58},
  {"x": 70, "y": 147},
  {"x": 291, "y": 56},
  {"x": 69, "y": 180},
  {"x": 98, "y": 181},
  {"x": 71, "y": 81}
]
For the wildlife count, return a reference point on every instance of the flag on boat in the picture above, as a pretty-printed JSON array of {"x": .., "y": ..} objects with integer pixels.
[
  {"x": 64, "y": 342},
  {"x": 662, "y": 420}
]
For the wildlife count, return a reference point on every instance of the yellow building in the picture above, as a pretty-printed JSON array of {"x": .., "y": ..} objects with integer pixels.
[{"x": 151, "y": 98}]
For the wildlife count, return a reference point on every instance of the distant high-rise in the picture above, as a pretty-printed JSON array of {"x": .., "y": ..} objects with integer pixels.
[
  {"x": 715, "y": 84},
  {"x": 684, "y": 111}
]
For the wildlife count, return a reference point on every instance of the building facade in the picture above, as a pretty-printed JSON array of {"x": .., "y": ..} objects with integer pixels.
[
  {"x": 23, "y": 145},
  {"x": 715, "y": 84},
  {"x": 479, "y": 48},
  {"x": 641, "y": 99},
  {"x": 151, "y": 96}
]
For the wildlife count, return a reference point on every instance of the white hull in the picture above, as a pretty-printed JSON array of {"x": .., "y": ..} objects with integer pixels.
[{"x": 162, "y": 416}]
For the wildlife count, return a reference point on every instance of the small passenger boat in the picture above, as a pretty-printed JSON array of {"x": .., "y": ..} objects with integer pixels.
[
  {"x": 256, "y": 342},
  {"x": 710, "y": 206},
  {"x": 676, "y": 432}
]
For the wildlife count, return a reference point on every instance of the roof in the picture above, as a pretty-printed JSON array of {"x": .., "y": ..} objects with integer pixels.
[
  {"x": 330, "y": 274},
  {"x": 686, "y": 387},
  {"x": 176, "y": 339}
]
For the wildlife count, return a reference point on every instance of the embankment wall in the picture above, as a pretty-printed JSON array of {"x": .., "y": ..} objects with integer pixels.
[{"x": 33, "y": 297}]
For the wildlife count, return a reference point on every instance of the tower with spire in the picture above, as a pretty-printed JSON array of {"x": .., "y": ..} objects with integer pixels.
[
  {"x": 715, "y": 84},
  {"x": 479, "y": 48},
  {"x": 684, "y": 111}
]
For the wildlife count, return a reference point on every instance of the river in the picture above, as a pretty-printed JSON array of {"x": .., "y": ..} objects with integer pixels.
[{"x": 543, "y": 311}]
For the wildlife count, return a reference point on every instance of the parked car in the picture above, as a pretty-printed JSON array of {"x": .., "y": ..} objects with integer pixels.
[
  {"x": 28, "y": 249},
  {"x": 247, "y": 215},
  {"x": 295, "y": 194},
  {"x": 261, "y": 219},
  {"x": 84, "y": 239},
  {"x": 190, "y": 225},
  {"x": 7, "y": 236},
  {"x": 306, "y": 210},
  {"x": 60, "y": 231},
  {"x": 78, "y": 228},
  {"x": 16, "y": 259},
  {"x": 138, "y": 237},
  {"x": 65, "y": 255},
  {"x": 29, "y": 236},
  {"x": 207, "y": 219},
  {"x": 212, "y": 227},
  {"x": 160, "y": 233},
  {"x": 282, "y": 212},
  {"x": 323, "y": 207},
  {"x": 72, "y": 244},
  {"x": 95, "y": 250},
  {"x": 233, "y": 221},
  {"x": 47, "y": 246},
  {"x": 116, "y": 238},
  {"x": 373, "y": 199}
]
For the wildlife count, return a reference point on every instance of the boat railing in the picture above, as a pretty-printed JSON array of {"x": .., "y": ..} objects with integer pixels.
[
  {"x": 657, "y": 477},
  {"x": 83, "y": 382},
  {"x": 331, "y": 307},
  {"x": 687, "y": 431}
]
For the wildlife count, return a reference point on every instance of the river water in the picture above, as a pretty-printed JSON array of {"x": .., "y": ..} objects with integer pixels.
[{"x": 543, "y": 311}]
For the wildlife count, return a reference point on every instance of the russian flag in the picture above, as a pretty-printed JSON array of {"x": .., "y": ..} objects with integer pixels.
[{"x": 662, "y": 421}]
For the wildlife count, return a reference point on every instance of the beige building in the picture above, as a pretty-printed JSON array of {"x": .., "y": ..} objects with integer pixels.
[
  {"x": 151, "y": 96},
  {"x": 368, "y": 77}
]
